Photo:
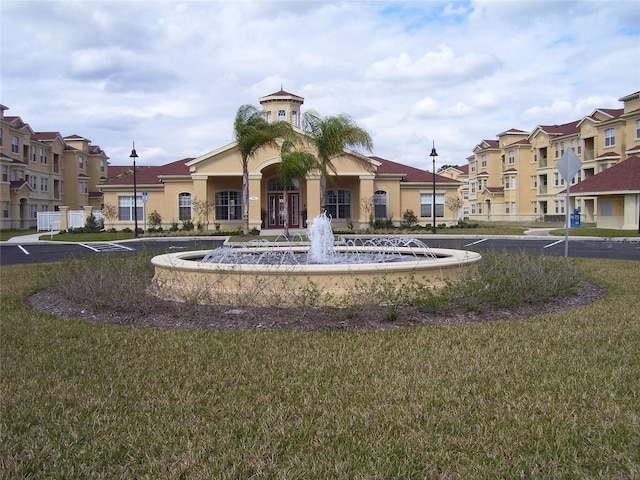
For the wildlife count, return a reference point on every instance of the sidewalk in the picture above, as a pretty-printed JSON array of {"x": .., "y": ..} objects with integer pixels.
[{"x": 33, "y": 238}]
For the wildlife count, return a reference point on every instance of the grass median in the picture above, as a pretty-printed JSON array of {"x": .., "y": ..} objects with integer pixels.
[{"x": 554, "y": 396}]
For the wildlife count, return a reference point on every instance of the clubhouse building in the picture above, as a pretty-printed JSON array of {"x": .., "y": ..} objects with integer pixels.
[{"x": 363, "y": 188}]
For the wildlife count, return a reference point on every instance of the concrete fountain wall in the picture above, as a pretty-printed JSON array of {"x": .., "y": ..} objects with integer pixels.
[{"x": 181, "y": 276}]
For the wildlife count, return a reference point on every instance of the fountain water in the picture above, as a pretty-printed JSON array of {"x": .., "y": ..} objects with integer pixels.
[
  {"x": 259, "y": 272},
  {"x": 321, "y": 238}
]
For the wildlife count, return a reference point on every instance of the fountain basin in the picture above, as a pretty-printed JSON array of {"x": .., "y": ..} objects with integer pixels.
[{"x": 181, "y": 276}]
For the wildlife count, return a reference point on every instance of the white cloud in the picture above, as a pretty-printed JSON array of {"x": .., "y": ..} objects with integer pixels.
[
  {"x": 171, "y": 75},
  {"x": 442, "y": 65}
]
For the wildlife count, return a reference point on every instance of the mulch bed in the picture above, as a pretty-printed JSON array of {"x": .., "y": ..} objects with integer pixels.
[{"x": 172, "y": 315}]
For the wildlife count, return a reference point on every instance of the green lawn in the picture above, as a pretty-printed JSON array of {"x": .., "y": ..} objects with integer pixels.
[{"x": 555, "y": 396}]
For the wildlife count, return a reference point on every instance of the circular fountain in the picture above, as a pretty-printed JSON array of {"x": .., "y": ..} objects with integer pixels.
[{"x": 299, "y": 273}]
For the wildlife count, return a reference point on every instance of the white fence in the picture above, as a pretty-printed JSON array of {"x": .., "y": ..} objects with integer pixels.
[{"x": 50, "y": 221}]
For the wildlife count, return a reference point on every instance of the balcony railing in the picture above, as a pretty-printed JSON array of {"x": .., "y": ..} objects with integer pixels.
[
  {"x": 542, "y": 189},
  {"x": 543, "y": 162},
  {"x": 588, "y": 155}
]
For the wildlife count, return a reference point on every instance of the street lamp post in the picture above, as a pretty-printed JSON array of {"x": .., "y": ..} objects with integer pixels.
[
  {"x": 433, "y": 156},
  {"x": 134, "y": 155}
]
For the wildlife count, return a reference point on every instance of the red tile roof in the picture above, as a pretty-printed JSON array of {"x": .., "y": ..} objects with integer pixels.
[
  {"x": 147, "y": 175},
  {"x": 561, "y": 130},
  {"x": 622, "y": 177},
  {"x": 411, "y": 174},
  {"x": 46, "y": 136}
]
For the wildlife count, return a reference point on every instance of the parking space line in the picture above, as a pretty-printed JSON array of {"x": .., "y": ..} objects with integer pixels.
[
  {"x": 119, "y": 245},
  {"x": 476, "y": 242},
  {"x": 24, "y": 250},
  {"x": 552, "y": 244}
]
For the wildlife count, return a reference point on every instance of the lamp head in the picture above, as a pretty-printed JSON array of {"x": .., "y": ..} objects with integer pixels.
[{"x": 133, "y": 155}]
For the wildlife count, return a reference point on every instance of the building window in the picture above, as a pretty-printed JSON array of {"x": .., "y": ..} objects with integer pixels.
[
  {"x": 507, "y": 183},
  {"x": 557, "y": 179},
  {"x": 294, "y": 118},
  {"x": 534, "y": 181},
  {"x": 426, "y": 200},
  {"x": 184, "y": 206},
  {"x": 637, "y": 129},
  {"x": 228, "y": 206},
  {"x": 484, "y": 161},
  {"x": 606, "y": 207},
  {"x": 44, "y": 184},
  {"x": 512, "y": 157},
  {"x": 473, "y": 187},
  {"x": 559, "y": 206},
  {"x": 5, "y": 209},
  {"x": 15, "y": 145},
  {"x": 465, "y": 195},
  {"x": 282, "y": 115},
  {"x": 125, "y": 208},
  {"x": 338, "y": 203},
  {"x": 473, "y": 209},
  {"x": 5, "y": 173},
  {"x": 43, "y": 157},
  {"x": 102, "y": 166},
  {"x": 81, "y": 162},
  {"x": 534, "y": 207},
  {"x": 561, "y": 148},
  {"x": 269, "y": 116},
  {"x": 380, "y": 204},
  {"x": 33, "y": 182},
  {"x": 609, "y": 137},
  {"x": 473, "y": 166}
]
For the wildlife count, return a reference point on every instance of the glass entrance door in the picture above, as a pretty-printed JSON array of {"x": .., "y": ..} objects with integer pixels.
[{"x": 277, "y": 214}]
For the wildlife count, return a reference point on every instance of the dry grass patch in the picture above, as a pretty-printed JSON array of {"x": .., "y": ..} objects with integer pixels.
[{"x": 554, "y": 396}]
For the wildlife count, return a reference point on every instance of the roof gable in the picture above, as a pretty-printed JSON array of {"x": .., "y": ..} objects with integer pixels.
[{"x": 622, "y": 177}]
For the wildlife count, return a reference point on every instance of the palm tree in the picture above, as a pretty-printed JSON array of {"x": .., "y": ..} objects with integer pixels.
[
  {"x": 330, "y": 136},
  {"x": 252, "y": 131},
  {"x": 293, "y": 164}
]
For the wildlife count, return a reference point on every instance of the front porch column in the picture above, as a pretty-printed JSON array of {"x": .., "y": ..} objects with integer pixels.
[
  {"x": 255, "y": 190},
  {"x": 64, "y": 218},
  {"x": 312, "y": 201}
]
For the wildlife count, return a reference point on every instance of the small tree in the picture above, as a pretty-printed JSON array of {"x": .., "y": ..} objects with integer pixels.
[
  {"x": 454, "y": 204},
  {"x": 91, "y": 225},
  {"x": 367, "y": 206},
  {"x": 202, "y": 208},
  {"x": 110, "y": 212},
  {"x": 409, "y": 219},
  {"x": 155, "y": 220}
]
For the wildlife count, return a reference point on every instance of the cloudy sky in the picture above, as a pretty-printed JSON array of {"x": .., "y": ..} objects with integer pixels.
[{"x": 170, "y": 75}]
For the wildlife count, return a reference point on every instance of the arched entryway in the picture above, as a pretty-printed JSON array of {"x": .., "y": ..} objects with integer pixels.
[{"x": 276, "y": 213}]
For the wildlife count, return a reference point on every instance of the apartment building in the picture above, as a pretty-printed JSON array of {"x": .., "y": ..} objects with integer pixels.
[
  {"x": 515, "y": 178},
  {"x": 43, "y": 170}
]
